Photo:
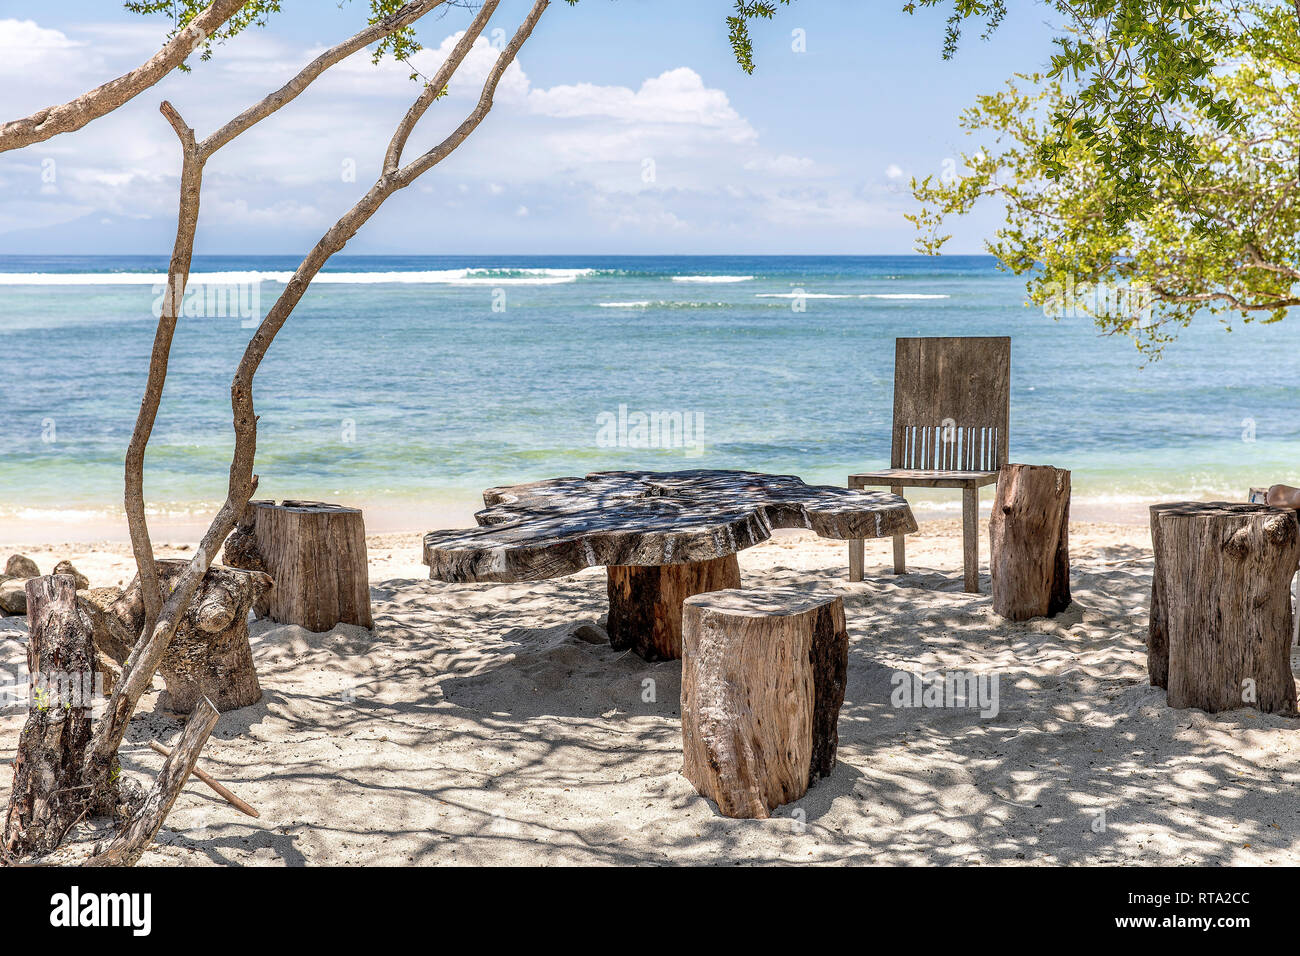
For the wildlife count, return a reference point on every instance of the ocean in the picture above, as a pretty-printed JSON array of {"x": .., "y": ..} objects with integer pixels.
[{"x": 406, "y": 381}]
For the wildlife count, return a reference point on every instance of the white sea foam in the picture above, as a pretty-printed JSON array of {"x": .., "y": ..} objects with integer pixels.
[
  {"x": 803, "y": 295},
  {"x": 904, "y": 295},
  {"x": 490, "y": 277},
  {"x": 712, "y": 278},
  {"x": 662, "y": 304},
  {"x": 849, "y": 295}
]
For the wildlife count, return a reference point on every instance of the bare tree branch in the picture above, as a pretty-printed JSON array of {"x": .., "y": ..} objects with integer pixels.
[
  {"x": 194, "y": 158},
  {"x": 137, "y": 673},
  {"x": 435, "y": 87},
  {"x": 73, "y": 115},
  {"x": 287, "y": 93},
  {"x": 129, "y": 845},
  {"x": 178, "y": 273}
]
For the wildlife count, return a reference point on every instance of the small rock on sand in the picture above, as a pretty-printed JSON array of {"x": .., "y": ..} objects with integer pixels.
[
  {"x": 65, "y": 567},
  {"x": 13, "y": 596},
  {"x": 590, "y": 634},
  {"x": 21, "y": 566}
]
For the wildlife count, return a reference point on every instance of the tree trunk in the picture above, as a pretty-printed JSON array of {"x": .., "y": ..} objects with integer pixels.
[
  {"x": 48, "y": 798},
  {"x": 1029, "y": 537},
  {"x": 316, "y": 553},
  {"x": 645, "y": 603},
  {"x": 763, "y": 676},
  {"x": 1225, "y": 572}
]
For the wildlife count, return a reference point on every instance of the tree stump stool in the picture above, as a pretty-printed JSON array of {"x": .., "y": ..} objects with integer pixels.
[
  {"x": 316, "y": 552},
  {"x": 1029, "y": 538},
  {"x": 763, "y": 675},
  {"x": 1157, "y": 625},
  {"x": 210, "y": 655},
  {"x": 1220, "y": 632}
]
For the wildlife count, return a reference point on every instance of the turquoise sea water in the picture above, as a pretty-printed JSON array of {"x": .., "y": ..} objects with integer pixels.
[{"x": 418, "y": 379}]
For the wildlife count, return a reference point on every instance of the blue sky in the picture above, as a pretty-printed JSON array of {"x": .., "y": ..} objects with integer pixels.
[{"x": 625, "y": 127}]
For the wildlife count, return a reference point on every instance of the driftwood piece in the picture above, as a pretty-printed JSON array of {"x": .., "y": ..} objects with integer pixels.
[
  {"x": 1029, "y": 538},
  {"x": 763, "y": 675},
  {"x": 210, "y": 655},
  {"x": 48, "y": 798},
  {"x": 645, "y": 603},
  {"x": 1225, "y": 573},
  {"x": 217, "y": 786},
  {"x": 316, "y": 552},
  {"x": 134, "y": 838},
  {"x": 552, "y": 528}
]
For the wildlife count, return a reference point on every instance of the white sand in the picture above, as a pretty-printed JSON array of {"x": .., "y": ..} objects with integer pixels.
[{"x": 471, "y": 727}]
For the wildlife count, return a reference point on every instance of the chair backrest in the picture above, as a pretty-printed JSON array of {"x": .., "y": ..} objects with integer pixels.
[{"x": 952, "y": 401}]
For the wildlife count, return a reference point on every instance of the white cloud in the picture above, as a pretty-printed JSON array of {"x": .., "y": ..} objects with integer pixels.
[
  {"x": 674, "y": 97},
  {"x": 782, "y": 165},
  {"x": 360, "y": 75},
  {"x": 669, "y": 157},
  {"x": 24, "y": 44}
]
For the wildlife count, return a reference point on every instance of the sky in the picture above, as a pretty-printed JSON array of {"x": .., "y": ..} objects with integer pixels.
[{"x": 624, "y": 127}]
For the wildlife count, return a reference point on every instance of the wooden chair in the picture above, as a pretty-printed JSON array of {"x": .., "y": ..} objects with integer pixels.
[{"x": 952, "y": 399}]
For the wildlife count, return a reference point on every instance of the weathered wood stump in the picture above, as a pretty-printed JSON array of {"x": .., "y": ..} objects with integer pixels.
[
  {"x": 316, "y": 552},
  {"x": 1157, "y": 623},
  {"x": 209, "y": 656},
  {"x": 1224, "y": 572},
  {"x": 763, "y": 675},
  {"x": 1029, "y": 538},
  {"x": 47, "y": 797},
  {"x": 645, "y": 603}
]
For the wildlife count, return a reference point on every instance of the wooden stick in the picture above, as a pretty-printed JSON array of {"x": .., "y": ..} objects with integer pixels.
[
  {"x": 140, "y": 830},
  {"x": 225, "y": 794}
]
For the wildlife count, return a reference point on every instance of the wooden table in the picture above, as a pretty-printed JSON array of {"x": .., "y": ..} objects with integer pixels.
[{"x": 662, "y": 536}]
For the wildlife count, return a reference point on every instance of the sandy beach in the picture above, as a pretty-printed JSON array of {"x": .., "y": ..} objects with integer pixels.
[{"x": 473, "y": 727}]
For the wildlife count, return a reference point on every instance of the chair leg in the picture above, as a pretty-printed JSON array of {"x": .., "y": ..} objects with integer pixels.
[
  {"x": 970, "y": 510},
  {"x": 857, "y": 561},
  {"x": 900, "y": 542}
]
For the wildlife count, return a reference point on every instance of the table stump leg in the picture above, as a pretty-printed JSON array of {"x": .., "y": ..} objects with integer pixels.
[
  {"x": 645, "y": 603},
  {"x": 1225, "y": 573}
]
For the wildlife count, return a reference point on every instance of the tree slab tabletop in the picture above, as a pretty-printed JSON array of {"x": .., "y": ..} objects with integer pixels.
[{"x": 550, "y": 529}]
